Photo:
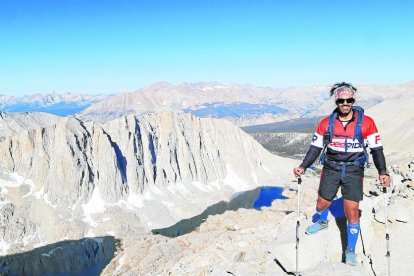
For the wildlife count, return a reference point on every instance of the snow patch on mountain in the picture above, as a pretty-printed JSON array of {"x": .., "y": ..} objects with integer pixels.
[
  {"x": 95, "y": 205},
  {"x": 4, "y": 247}
]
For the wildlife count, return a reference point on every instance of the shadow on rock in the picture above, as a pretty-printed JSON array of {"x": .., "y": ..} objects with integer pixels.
[
  {"x": 87, "y": 256},
  {"x": 240, "y": 200}
]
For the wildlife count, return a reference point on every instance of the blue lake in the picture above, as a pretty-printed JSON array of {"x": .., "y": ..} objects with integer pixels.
[
  {"x": 238, "y": 109},
  {"x": 267, "y": 195}
]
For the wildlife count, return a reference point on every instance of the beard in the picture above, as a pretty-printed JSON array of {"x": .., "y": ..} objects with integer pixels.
[{"x": 344, "y": 114}]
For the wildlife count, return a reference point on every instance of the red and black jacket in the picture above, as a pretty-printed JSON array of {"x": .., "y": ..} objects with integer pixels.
[{"x": 343, "y": 147}]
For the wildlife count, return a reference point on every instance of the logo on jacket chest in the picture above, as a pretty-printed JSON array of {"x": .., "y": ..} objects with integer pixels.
[{"x": 350, "y": 145}]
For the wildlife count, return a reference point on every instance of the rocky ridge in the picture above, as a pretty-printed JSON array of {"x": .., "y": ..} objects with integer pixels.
[
  {"x": 11, "y": 123},
  {"x": 153, "y": 170}
]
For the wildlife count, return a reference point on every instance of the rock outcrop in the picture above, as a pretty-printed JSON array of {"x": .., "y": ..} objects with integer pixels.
[
  {"x": 14, "y": 227},
  {"x": 69, "y": 159},
  {"x": 11, "y": 123},
  {"x": 65, "y": 161},
  {"x": 152, "y": 170},
  {"x": 166, "y": 148}
]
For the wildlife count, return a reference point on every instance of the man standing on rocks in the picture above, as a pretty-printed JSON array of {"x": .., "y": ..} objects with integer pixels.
[{"x": 343, "y": 138}]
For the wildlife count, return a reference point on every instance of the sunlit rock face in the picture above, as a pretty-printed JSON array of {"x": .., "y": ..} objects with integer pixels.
[
  {"x": 63, "y": 161},
  {"x": 11, "y": 123},
  {"x": 73, "y": 179},
  {"x": 164, "y": 148},
  {"x": 67, "y": 160}
]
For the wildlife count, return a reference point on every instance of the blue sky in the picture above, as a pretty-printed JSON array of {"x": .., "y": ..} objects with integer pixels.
[{"x": 116, "y": 46}]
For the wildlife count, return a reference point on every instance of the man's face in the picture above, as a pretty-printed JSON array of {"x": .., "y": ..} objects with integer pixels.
[{"x": 344, "y": 104}]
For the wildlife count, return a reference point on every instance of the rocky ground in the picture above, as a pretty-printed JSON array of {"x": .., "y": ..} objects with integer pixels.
[{"x": 248, "y": 242}]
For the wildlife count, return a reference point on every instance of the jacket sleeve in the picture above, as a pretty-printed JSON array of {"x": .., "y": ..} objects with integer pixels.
[
  {"x": 310, "y": 157},
  {"x": 379, "y": 160}
]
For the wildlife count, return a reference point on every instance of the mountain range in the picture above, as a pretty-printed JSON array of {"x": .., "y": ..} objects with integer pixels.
[
  {"x": 54, "y": 103},
  {"x": 66, "y": 178},
  {"x": 244, "y": 105}
]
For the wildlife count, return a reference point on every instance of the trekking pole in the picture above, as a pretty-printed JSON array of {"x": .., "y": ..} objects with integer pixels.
[
  {"x": 387, "y": 236},
  {"x": 297, "y": 227}
]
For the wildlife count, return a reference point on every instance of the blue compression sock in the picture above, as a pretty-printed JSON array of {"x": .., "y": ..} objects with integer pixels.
[
  {"x": 320, "y": 215},
  {"x": 353, "y": 231}
]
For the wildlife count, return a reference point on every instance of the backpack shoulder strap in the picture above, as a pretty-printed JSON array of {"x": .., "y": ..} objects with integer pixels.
[
  {"x": 358, "y": 126},
  {"x": 358, "y": 132},
  {"x": 331, "y": 124},
  {"x": 326, "y": 141}
]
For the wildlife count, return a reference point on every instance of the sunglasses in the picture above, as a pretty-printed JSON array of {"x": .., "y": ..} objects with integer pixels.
[{"x": 341, "y": 101}]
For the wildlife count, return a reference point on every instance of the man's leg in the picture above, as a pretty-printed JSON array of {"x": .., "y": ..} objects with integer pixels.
[
  {"x": 320, "y": 219},
  {"x": 352, "y": 213},
  {"x": 322, "y": 204},
  {"x": 322, "y": 212},
  {"x": 328, "y": 188}
]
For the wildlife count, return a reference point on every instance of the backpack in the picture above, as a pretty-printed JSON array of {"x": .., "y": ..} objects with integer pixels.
[{"x": 361, "y": 161}]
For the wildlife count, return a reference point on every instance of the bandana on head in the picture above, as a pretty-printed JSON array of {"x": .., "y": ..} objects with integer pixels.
[{"x": 344, "y": 92}]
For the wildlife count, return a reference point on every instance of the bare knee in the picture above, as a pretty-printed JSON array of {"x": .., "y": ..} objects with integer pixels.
[
  {"x": 352, "y": 211},
  {"x": 322, "y": 204}
]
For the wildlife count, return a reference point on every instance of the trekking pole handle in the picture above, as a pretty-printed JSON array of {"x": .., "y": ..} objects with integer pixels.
[
  {"x": 384, "y": 189},
  {"x": 299, "y": 181}
]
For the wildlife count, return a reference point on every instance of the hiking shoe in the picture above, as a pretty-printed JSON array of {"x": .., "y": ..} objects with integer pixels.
[
  {"x": 350, "y": 258},
  {"x": 313, "y": 228}
]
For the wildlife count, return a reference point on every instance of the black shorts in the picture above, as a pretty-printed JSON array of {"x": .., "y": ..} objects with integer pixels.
[{"x": 351, "y": 184}]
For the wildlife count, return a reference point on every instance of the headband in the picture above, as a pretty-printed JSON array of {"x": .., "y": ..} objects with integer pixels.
[{"x": 344, "y": 92}]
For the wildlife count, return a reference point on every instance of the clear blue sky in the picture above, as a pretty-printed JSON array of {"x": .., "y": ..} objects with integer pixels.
[{"x": 110, "y": 46}]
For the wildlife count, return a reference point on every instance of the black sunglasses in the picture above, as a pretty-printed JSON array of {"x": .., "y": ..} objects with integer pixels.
[{"x": 341, "y": 101}]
